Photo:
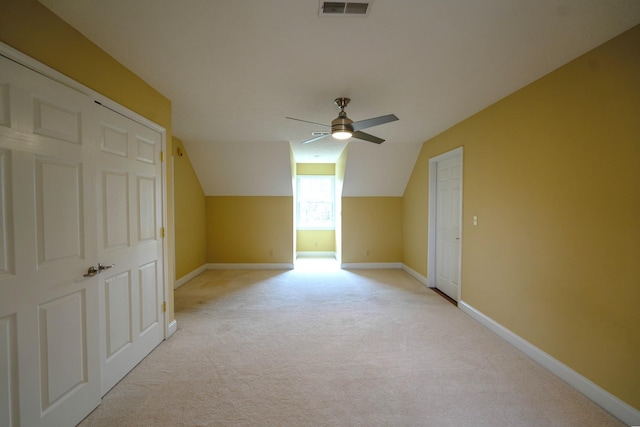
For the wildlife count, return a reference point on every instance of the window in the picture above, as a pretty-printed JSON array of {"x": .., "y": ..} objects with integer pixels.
[{"x": 315, "y": 202}]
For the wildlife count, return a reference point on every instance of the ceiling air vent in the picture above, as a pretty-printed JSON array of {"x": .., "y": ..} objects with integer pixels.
[{"x": 335, "y": 8}]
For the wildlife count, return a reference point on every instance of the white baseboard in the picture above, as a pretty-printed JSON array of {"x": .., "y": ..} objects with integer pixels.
[
  {"x": 184, "y": 279},
  {"x": 172, "y": 328},
  {"x": 369, "y": 265},
  {"x": 419, "y": 277},
  {"x": 600, "y": 396},
  {"x": 249, "y": 266}
]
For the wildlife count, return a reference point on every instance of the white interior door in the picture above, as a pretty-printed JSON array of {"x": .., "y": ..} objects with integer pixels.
[
  {"x": 79, "y": 185},
  {"x": 130, "y": 221},
  {"x": 447, "y": 228},
  {"x": 49, "y": 333}
]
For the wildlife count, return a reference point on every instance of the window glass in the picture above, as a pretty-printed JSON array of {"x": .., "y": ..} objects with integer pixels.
[{"x": 315, "y": 201}]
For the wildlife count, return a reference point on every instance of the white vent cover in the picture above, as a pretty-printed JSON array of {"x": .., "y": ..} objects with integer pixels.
[{"x": 336, "y": 8}]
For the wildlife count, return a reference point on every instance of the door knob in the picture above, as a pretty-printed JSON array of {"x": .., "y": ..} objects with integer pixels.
[{"x": 93, "y": 270}]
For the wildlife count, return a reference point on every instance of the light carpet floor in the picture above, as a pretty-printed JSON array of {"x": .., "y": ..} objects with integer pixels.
[{"x": 329, "y": 347}]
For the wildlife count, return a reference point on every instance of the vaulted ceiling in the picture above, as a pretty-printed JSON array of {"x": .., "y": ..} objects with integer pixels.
[{"x": 235, "y": 69}]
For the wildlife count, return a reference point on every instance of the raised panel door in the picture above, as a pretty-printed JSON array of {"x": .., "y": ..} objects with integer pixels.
[
  {"x": 49, "y": 345},
  {"x": 448, "y": 214},
  {"x": 129, "y": 218}
]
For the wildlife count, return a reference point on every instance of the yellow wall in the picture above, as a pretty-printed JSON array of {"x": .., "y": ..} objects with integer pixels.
[
  {"x": 255, "y": 229},
  {"x": 371, "y": 229},
  {"x": 415, "y": 209},
  {"x": 553, "y": 174},
  {"x": 190, "y": 214},
  {"x": 32, "y": 29},
  {"x": 316, "y": 240},
  {"x": 316, "y": 169}
]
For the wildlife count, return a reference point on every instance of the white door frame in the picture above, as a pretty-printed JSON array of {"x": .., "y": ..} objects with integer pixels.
[
  {"x": 431, "y": 242},
  {"x": 45, "y": 70}
]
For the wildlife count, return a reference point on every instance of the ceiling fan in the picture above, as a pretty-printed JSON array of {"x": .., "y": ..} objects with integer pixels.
[{"x": 343, "y": 127}]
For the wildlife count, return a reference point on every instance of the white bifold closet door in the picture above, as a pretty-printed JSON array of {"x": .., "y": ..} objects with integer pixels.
[{"x": 80, "y": 186}]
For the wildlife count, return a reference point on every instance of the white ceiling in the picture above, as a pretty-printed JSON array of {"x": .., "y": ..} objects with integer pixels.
[{"x": 235, "y": 69}]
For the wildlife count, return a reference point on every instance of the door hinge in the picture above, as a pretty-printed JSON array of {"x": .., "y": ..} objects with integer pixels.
[
  {"x": 162, "y": 156},
  {"x": 162, "y": 233},
  {"x": 164, "y": 306}
]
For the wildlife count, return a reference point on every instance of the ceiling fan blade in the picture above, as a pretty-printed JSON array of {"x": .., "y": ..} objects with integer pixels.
[
  {"x": 307, "y": 121},
  {"x": 367, "y": 137},
  {"x": 363, "y": 124},
  {"x": 316, "y": 138}
]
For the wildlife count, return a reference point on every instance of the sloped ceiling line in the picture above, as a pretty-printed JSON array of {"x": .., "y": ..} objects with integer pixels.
[{"x": 234, "y": 70}]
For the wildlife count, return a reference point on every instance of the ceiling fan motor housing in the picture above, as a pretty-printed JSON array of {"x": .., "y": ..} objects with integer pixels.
[{"x": 342, "y": 123}]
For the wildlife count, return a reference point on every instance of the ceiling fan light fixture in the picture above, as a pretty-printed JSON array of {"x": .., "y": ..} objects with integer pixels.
[{"x": 342, "y": 134}]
